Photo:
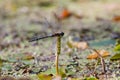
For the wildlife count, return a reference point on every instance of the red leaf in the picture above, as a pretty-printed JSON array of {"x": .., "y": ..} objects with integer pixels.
[
  {"x": 65, "y": 14},
  {"x": 116, "y": 19}
]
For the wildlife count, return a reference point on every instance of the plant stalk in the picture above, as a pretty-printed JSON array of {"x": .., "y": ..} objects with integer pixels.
[{"x": 57, "y": 55}]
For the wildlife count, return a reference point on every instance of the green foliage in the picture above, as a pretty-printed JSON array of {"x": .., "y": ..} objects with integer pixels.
[
  {"x": 53, "y": 72},
  {"x": 115, "y": 57},
  {"x": 91, "y": 78},
  {"x": 117, "y": 47},
  {"x": 47, "y": 75},
  {"x": 1, "y": 62},
  {"x": 23, "y": 18},
  {"x": 44, "y": 77}
]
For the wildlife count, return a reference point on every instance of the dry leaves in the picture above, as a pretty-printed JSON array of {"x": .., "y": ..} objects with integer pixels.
[
  {"x": 80, "y": 45},
  {"x": 94, "y": 55},
  {"x": 64, "y": 14},
  {"x": 116, "y": 19},
  {"x": 27, "y": 56}
]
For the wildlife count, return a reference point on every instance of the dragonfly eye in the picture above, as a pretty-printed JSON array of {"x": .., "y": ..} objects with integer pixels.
[
  {"x": 58, "y": 34},
  {"x": 61, "y": 34}
]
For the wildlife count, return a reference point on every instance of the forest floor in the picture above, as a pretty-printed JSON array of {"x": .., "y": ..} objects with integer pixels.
[{"x": 94, "y": 24}]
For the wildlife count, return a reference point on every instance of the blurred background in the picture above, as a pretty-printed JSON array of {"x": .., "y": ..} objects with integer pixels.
[
  {"x": 20, "y": 19},
  {"x": 80, "y": 20}
]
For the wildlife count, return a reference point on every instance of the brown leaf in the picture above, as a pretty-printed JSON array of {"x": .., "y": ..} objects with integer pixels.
[
  {"x": 80, "y": 45},
  {"x": 28, "y": 56},
  {"x": 94, "y": 55},
  {"x": 65, "y": 14},
  {"x": 116, "y": 19}
]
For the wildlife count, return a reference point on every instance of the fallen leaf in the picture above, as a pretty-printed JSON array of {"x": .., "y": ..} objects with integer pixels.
[
  {"x": 90, "y": 78},
  {"x": 28, "y": 56},
  {"x": 115, "y": 57},
  {"x": 117, "y": 46},
  {"x": 53, "y": 71},
  {"x": 116, "y": 19},
  {"x": 65, "y": 14},
  {"x": 44, "y": 77},
  {"x": 80, "y": 45},
  {"x": 94, "y": 55}
]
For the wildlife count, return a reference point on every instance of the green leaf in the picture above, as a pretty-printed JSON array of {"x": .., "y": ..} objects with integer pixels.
[
  {"x": 44, "y": 77},
  {"x": 48, "y": 75},
  {"x": 115, "y": 57},
  {"x": 69, "y": 44},
  {"x": 117, "y": 48},
  {"x": 91, "y": 78},
  {"x": 1, "y": 62},
  {"x": 118, "y": 42},
  {"x": 53, "y": 72}
]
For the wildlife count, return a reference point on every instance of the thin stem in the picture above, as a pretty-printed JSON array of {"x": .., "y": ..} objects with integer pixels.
[
  {"x": 102, "y": 62},
  {"x": 95, "y": 67},
  {"x": 58, "y": 52},
  {"x": 57, "y": 62},
  {"x": 58, "y": 45}
]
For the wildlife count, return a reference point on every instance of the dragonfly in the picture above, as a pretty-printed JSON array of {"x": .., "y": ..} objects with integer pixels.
[
  {"x": 58, "y": 35},
  {"x": 36, "y": 38}
]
